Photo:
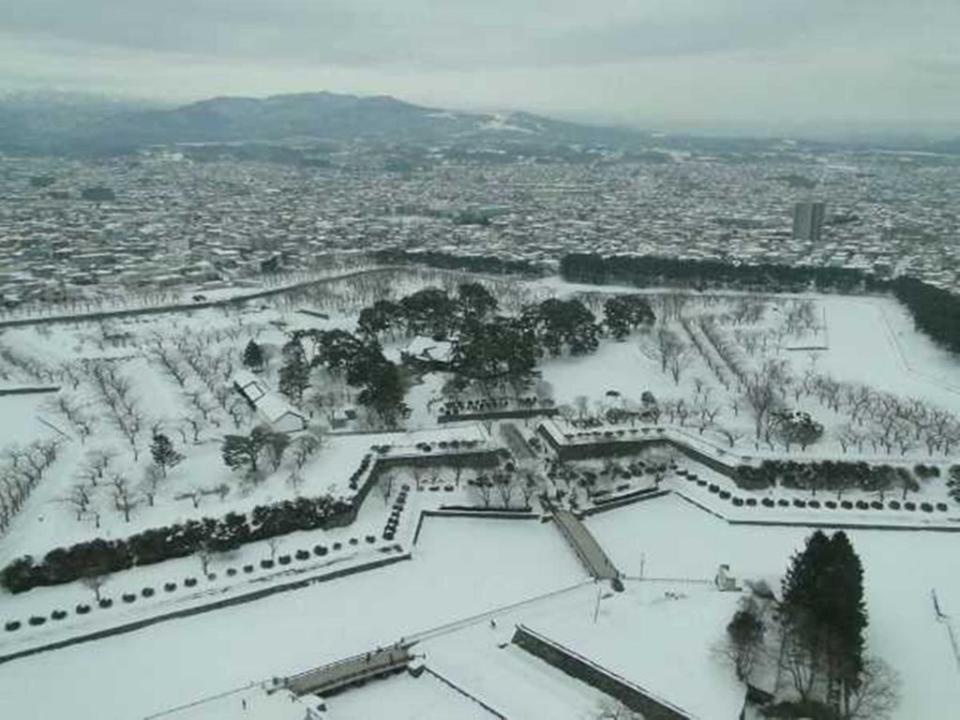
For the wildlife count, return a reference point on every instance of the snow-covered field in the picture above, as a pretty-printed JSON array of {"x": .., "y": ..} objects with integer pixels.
[
  {"x": 670, "y": 538},
  {"x": 462, "y": 567},
  {"x": 463, "y": 571}
]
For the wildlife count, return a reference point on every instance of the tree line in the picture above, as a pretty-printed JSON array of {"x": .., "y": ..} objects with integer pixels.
[
  {"x": 471, "y": 263},
  {"x": 935, "y": 311},
  {"x": 99, "y": 557}
]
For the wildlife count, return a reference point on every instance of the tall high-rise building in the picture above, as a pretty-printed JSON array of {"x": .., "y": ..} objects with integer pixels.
[{"x": 808, "y": 221}]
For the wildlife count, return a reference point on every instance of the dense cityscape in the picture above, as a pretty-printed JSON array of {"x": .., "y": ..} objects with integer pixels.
[{"x": 78, "y": 229}]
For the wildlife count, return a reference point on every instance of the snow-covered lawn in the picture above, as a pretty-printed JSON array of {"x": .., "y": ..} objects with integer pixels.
[
  {"x": 461, "y": 567},
  {"x": 670, "y": 538}
]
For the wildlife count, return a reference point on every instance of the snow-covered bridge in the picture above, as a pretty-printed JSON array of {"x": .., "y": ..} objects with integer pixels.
[
  {"x": 585, "y": 545},
  {"x": 337, "y": 675}
]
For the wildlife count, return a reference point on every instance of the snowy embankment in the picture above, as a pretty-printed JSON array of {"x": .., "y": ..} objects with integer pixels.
[{"x": 463, "y": 562}]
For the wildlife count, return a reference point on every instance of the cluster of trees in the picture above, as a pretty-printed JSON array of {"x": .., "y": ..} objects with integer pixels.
[
  {"x": 822, "y": 618},
  {"x": 471, "y": 263},
  {"x": 503, "y": 484},
  {"x": 819, "y": 642},
  {"x": 201, "y": 371},
  {"x": 115, "y": 392},
  {"x": 489, "y": 347},
  {"x": 935, "y": 311},
  {"x": 242, "y": 452},
  {"x": 625, "y": 313},
  {"x": 359, "y": 360},
  {"x": 21, "y": 473},
  {"x": 99, "y": 557},
  {"x": 826, "y": 475},
  {"x": 654, "y": 271},
  {"x": 884, "y": 420}
]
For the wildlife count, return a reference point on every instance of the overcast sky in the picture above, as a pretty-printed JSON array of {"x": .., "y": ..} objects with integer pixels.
[{"x": 653, "y": 63}]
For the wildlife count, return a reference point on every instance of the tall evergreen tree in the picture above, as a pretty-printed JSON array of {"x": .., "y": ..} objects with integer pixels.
[
  {"x": 253, "y": 356},
  {"x": 163, "y": 452},
  {"x": 824, "y": 615},
  {"x": 294, "y": 377}
]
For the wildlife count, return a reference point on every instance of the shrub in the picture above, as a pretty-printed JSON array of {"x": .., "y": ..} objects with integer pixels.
[
  {"x": 942, "y": 507},
  {"x": 926, "y": 507},
  {"x": 284, "y": 559},
  {"x": 190, "y": 582},
  {"x": 702, "y": 483},
  {"x": 337, "y": 546},
  {"x": 724, "y": 495},
  {"x": 319, "y": 550},
  {"x": 751, "y": 502},
  {"x": 894, "y": 504},
  {"x": 797, "y": 502},
  {"x": 909, "y": 506},
  {"x": 302, "y": 554},
  {"x": 12, "y": 625},
  {"x": 170, "y": 586},
  {"x": 354, "y": 541},
  {"x": 830, "y": 505},
  {"x": 147, "y": 592},
  {"x": 231, "y": 572},
  {"x": 783, "y": 502},
  {"x": 105, "y": 603},
  {"x": 248, "y": 568},
  {"x": 211, "y": 576},
  {"x": 815, "y": 504},
  {"x": 876, "y": 505},
  {"x": 266, "y": 564},
  {"x": 82, "y": 609},
  {"x": 737, "y": 501},
  {"x": 370, "y": 539},
  {"x": 768, "y": 502},
  {"x": 129, "y": 597},
  {"x": 713, "y": 488},
  {"x": 846, "y": 505},
  {"x": 37, "y": 620},
  {"x": 58, "y": 614}
]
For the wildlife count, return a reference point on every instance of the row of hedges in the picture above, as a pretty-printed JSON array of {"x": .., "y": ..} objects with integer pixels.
[
  {"x": 814, "y": 504},
  {"x": 128, "y": 598},
  {"x": 826, "y": 474},
  {"x": 99, "y": 557}
]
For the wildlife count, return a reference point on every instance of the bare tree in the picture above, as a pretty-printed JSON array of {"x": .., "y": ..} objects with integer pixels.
[
  {"x": 876, "y": 696},
  {"x": 385, "y": 483},
  {"x": 78, "y": 499},
  {"x": 484, "y": 488},
  {"x": 295, "y": 479},
  {"x": 505, "y": 485},
  {"x": 760, "y": 397},
  {"x": 123, "y": 499},
  {"x": 153, "y": 476},
  {"x": 743, "y": 645},
  {"x": 305, "y": 446},
  {"x": 95, "y": 584},
  {"x": 732, "y": 436}
]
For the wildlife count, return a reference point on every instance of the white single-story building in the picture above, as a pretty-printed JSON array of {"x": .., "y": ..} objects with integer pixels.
[
  {"x": 272, "y": 409},
  {"x": 427, "y": 350}
]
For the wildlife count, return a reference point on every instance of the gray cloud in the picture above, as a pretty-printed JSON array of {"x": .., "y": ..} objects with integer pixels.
[{"x": 643, "y": 59}]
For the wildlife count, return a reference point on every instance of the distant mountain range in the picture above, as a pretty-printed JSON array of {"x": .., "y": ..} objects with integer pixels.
[
  {"x": 44, "y": 123},
  {"x": 40, "y": 124}
]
